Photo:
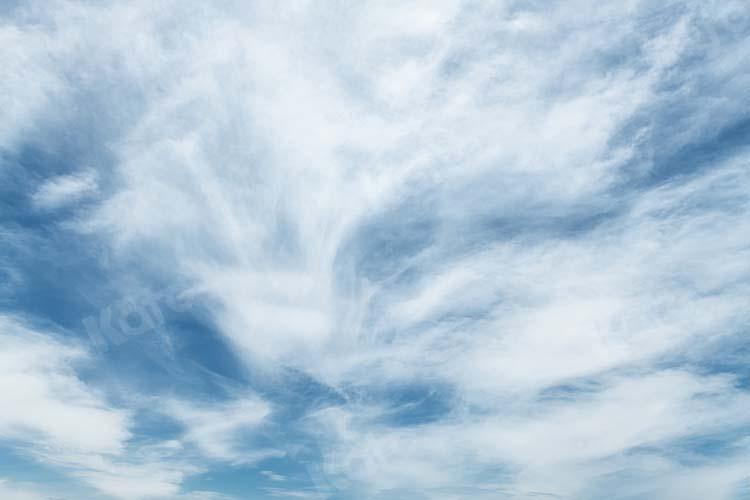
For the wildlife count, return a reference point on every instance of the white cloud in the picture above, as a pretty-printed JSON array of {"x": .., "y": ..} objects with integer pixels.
[
  {"x": 55, "y": 418},
  {"x": 463, "y": 195},
  {"x": 50, "y": 414},
  {"x": 557, "y": 445},
  {"x": 273, "y": 476},
  {"x": 25, "y": 55},
  {"x": 218, "y": 429},
  {"x": 64, "y": 190},
  {"x": 42, "y": 395},
  {"x": 11, "y": 491},
  {"x": 284, "y": 493}
]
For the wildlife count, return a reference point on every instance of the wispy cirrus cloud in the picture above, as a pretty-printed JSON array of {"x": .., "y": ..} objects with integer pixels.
[
  {"x": 44, "y": 396},
  {"x": 55, "y": 418},
  {"x": 65, "y": 189},
  {"x": 217, "y": 429},
  {"x": 438, "y": 249}
]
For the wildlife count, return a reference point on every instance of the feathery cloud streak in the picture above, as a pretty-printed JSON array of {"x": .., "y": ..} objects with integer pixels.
[{"x": 437, "y": 249}]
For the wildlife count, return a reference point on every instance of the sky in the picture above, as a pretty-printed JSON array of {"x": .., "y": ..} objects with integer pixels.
[{"x": 374, "y": 250}]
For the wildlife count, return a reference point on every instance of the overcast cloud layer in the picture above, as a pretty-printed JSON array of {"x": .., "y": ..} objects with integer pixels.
[{"x": 387, "y": 250}]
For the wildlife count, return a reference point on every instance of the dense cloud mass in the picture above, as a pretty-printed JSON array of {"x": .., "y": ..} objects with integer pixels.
[{"x": 374, "y": 250}]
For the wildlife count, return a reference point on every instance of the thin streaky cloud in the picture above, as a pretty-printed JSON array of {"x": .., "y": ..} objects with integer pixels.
[{"x": 413, "y": 250}]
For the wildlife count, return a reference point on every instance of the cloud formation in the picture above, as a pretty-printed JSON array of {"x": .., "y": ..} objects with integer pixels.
[
  {"x": 437, "y": 249},
  {"x": 65, "y": 189}
]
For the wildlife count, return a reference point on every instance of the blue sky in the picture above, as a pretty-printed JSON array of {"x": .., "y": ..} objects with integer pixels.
[{"x": 374, "y": 250}]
